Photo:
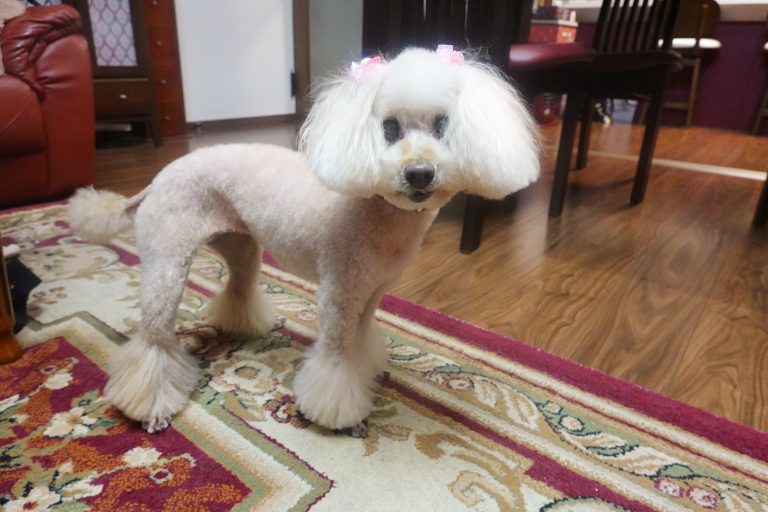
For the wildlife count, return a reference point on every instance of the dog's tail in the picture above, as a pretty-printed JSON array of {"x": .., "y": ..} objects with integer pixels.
[{"x": 99, "y": 215}]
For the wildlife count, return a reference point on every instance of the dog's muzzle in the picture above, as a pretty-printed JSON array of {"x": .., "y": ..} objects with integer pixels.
[{"x": 419, "y": 177}]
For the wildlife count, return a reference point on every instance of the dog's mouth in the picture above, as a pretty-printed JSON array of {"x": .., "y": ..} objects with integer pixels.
[
  {"x": 418, "y": 196},
  {"x": 418, "y": 200}
]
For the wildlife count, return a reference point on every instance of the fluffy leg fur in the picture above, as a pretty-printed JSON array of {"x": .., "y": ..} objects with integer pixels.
[
  {"x": 150, "y": 381},
  {"x": 335, "y": 388},
  {"x": 337, "y": 380},
  {"x": 152, "y": 377},
  {"x": 241, "y": 307}
]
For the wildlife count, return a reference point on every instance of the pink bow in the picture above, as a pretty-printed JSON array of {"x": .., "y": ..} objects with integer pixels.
[
  {"x": 358, "y": 71},
  {"x": 448, "y": 54}
]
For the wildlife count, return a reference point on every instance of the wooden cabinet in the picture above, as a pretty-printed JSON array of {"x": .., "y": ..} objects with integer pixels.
[
  {"x": 136, "y": 70},
  {"x": 123, "y": 98},
  {"x": 160, "y": 16},
  {"x": 122, "y": 75}
]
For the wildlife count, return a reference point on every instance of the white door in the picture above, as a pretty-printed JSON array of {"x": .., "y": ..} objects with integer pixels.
[{"x": 236, "y": 58}]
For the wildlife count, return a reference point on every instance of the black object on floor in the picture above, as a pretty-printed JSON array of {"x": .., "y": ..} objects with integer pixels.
[{"x": 22, "y": 281}]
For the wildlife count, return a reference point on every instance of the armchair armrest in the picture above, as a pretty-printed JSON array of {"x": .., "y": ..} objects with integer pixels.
[{"x": 26, "y": 37}]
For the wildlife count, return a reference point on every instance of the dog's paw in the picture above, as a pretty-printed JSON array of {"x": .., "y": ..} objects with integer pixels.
[
  {"x": 156, "y": 425},
  {"x": 334, "y": 390},
  {"x": 359, "y": 431}
]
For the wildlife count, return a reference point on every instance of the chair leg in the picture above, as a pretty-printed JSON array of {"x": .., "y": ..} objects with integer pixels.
[
  {"x": 154, "y": 130},
  {"x": 564, "y": 150},
  {"x": 760, "y": 112},
  {"x": 693, "y": 94},
  {"x": 761, "y": 212},
  {"x": 584, "y": 133},
  {"x": 472, "y": 230},
  {"x": 652, "y": 119}
]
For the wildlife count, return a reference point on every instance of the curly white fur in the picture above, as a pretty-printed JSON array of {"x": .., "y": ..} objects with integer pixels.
[
  {"x": 151, "y": 382},
  {"x": 98, "y": 216},
  {"x": 489, "y": 147},
  {"x": 385, "y": 151}
]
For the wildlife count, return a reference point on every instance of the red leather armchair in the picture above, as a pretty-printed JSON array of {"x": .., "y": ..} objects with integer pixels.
[{"x": 46, "y": 107}]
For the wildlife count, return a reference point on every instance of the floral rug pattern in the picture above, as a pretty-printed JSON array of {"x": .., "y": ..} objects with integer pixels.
[{"x": 466, "y": 419}]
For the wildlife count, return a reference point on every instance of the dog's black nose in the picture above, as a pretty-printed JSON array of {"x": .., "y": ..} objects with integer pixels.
[{"x": 419, "y": 175}]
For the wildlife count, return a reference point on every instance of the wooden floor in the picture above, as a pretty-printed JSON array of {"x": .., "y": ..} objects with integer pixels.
[{"x": 671, "y": 295}]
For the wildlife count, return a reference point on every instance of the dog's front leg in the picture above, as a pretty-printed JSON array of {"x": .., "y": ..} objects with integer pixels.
[{"x": 336, "y": 382}]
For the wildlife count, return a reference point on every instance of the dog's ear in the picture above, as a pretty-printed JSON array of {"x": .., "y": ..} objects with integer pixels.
[
  {"x": 492, "y": 134},
  {"x": 340, "y": 137}
]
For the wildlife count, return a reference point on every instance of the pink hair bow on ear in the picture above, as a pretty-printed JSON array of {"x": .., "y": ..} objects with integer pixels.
[
  {"x": 358, "y": 71},
  {"x": 448, "y": 54}
]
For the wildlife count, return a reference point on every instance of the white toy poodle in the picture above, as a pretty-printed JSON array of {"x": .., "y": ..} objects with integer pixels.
[{"x": 383, "y": 148}]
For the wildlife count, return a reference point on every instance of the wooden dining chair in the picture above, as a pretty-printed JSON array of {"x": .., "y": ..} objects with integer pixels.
[
  {"x": 634, "y": 59},
  {"x": 693, "y": 39}
]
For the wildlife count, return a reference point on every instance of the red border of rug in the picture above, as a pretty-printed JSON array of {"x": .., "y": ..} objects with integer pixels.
[{"x": 732, "y": 435}]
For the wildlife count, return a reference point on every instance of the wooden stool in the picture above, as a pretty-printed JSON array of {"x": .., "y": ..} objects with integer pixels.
[
  {"x": 697, "y": 19},
  {"x": 10, "y": 348}
]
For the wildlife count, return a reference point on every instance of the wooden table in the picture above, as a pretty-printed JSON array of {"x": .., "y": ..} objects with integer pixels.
[{"x": 10, "y": 348}]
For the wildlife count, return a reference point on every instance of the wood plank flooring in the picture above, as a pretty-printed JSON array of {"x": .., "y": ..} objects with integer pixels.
[{"x": 671, "y": 294}]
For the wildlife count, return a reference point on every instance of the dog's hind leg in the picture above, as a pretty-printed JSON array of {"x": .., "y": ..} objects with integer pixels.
[
  {"x": 241, "y": 307},
  {"x": 152, "y": 376}
]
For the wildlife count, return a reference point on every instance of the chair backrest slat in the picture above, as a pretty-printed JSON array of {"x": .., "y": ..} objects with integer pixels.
[
  {"x": 635, "y": 25},
  {"x": 622, "y": 31}
]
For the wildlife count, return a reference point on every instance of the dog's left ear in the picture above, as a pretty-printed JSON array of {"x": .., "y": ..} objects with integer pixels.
[{"x": 493, "y": 135}]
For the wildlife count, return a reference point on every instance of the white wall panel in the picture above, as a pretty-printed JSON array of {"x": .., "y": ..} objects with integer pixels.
[{"x": 236, "y": 58}]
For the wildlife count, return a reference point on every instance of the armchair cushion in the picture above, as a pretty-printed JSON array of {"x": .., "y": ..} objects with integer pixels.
[
  {"x": 8, "y": 9},
  {"x": 46, "y": 114},
  {"x": 26, "y": 37},
  {"x": 21, "y": 120}
]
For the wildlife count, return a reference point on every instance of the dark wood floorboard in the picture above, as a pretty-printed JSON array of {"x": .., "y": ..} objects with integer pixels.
[{"x": 671, "y": 294}]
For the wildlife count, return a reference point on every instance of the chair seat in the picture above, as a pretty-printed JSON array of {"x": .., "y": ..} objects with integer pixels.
[
  {"x": 607, "y": 63},
  {"x": 538, "y": 56}
]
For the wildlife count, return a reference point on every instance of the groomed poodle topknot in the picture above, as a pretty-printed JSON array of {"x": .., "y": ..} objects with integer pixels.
[{"x": 383, "y": 148}]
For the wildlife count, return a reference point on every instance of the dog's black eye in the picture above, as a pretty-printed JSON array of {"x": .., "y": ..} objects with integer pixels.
[
  {"x": 439, "y": 126},
  {"x": 391, "y": 130}
]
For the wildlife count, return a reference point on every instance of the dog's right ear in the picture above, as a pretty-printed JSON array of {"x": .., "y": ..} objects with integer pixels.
[{"x": 341, "y": 138}]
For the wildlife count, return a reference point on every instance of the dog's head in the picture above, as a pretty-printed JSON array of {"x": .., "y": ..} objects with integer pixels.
[{"x": 420, "y": 128}]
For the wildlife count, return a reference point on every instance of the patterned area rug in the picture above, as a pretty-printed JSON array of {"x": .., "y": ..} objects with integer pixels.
[{"x": 468, "y": 420}]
